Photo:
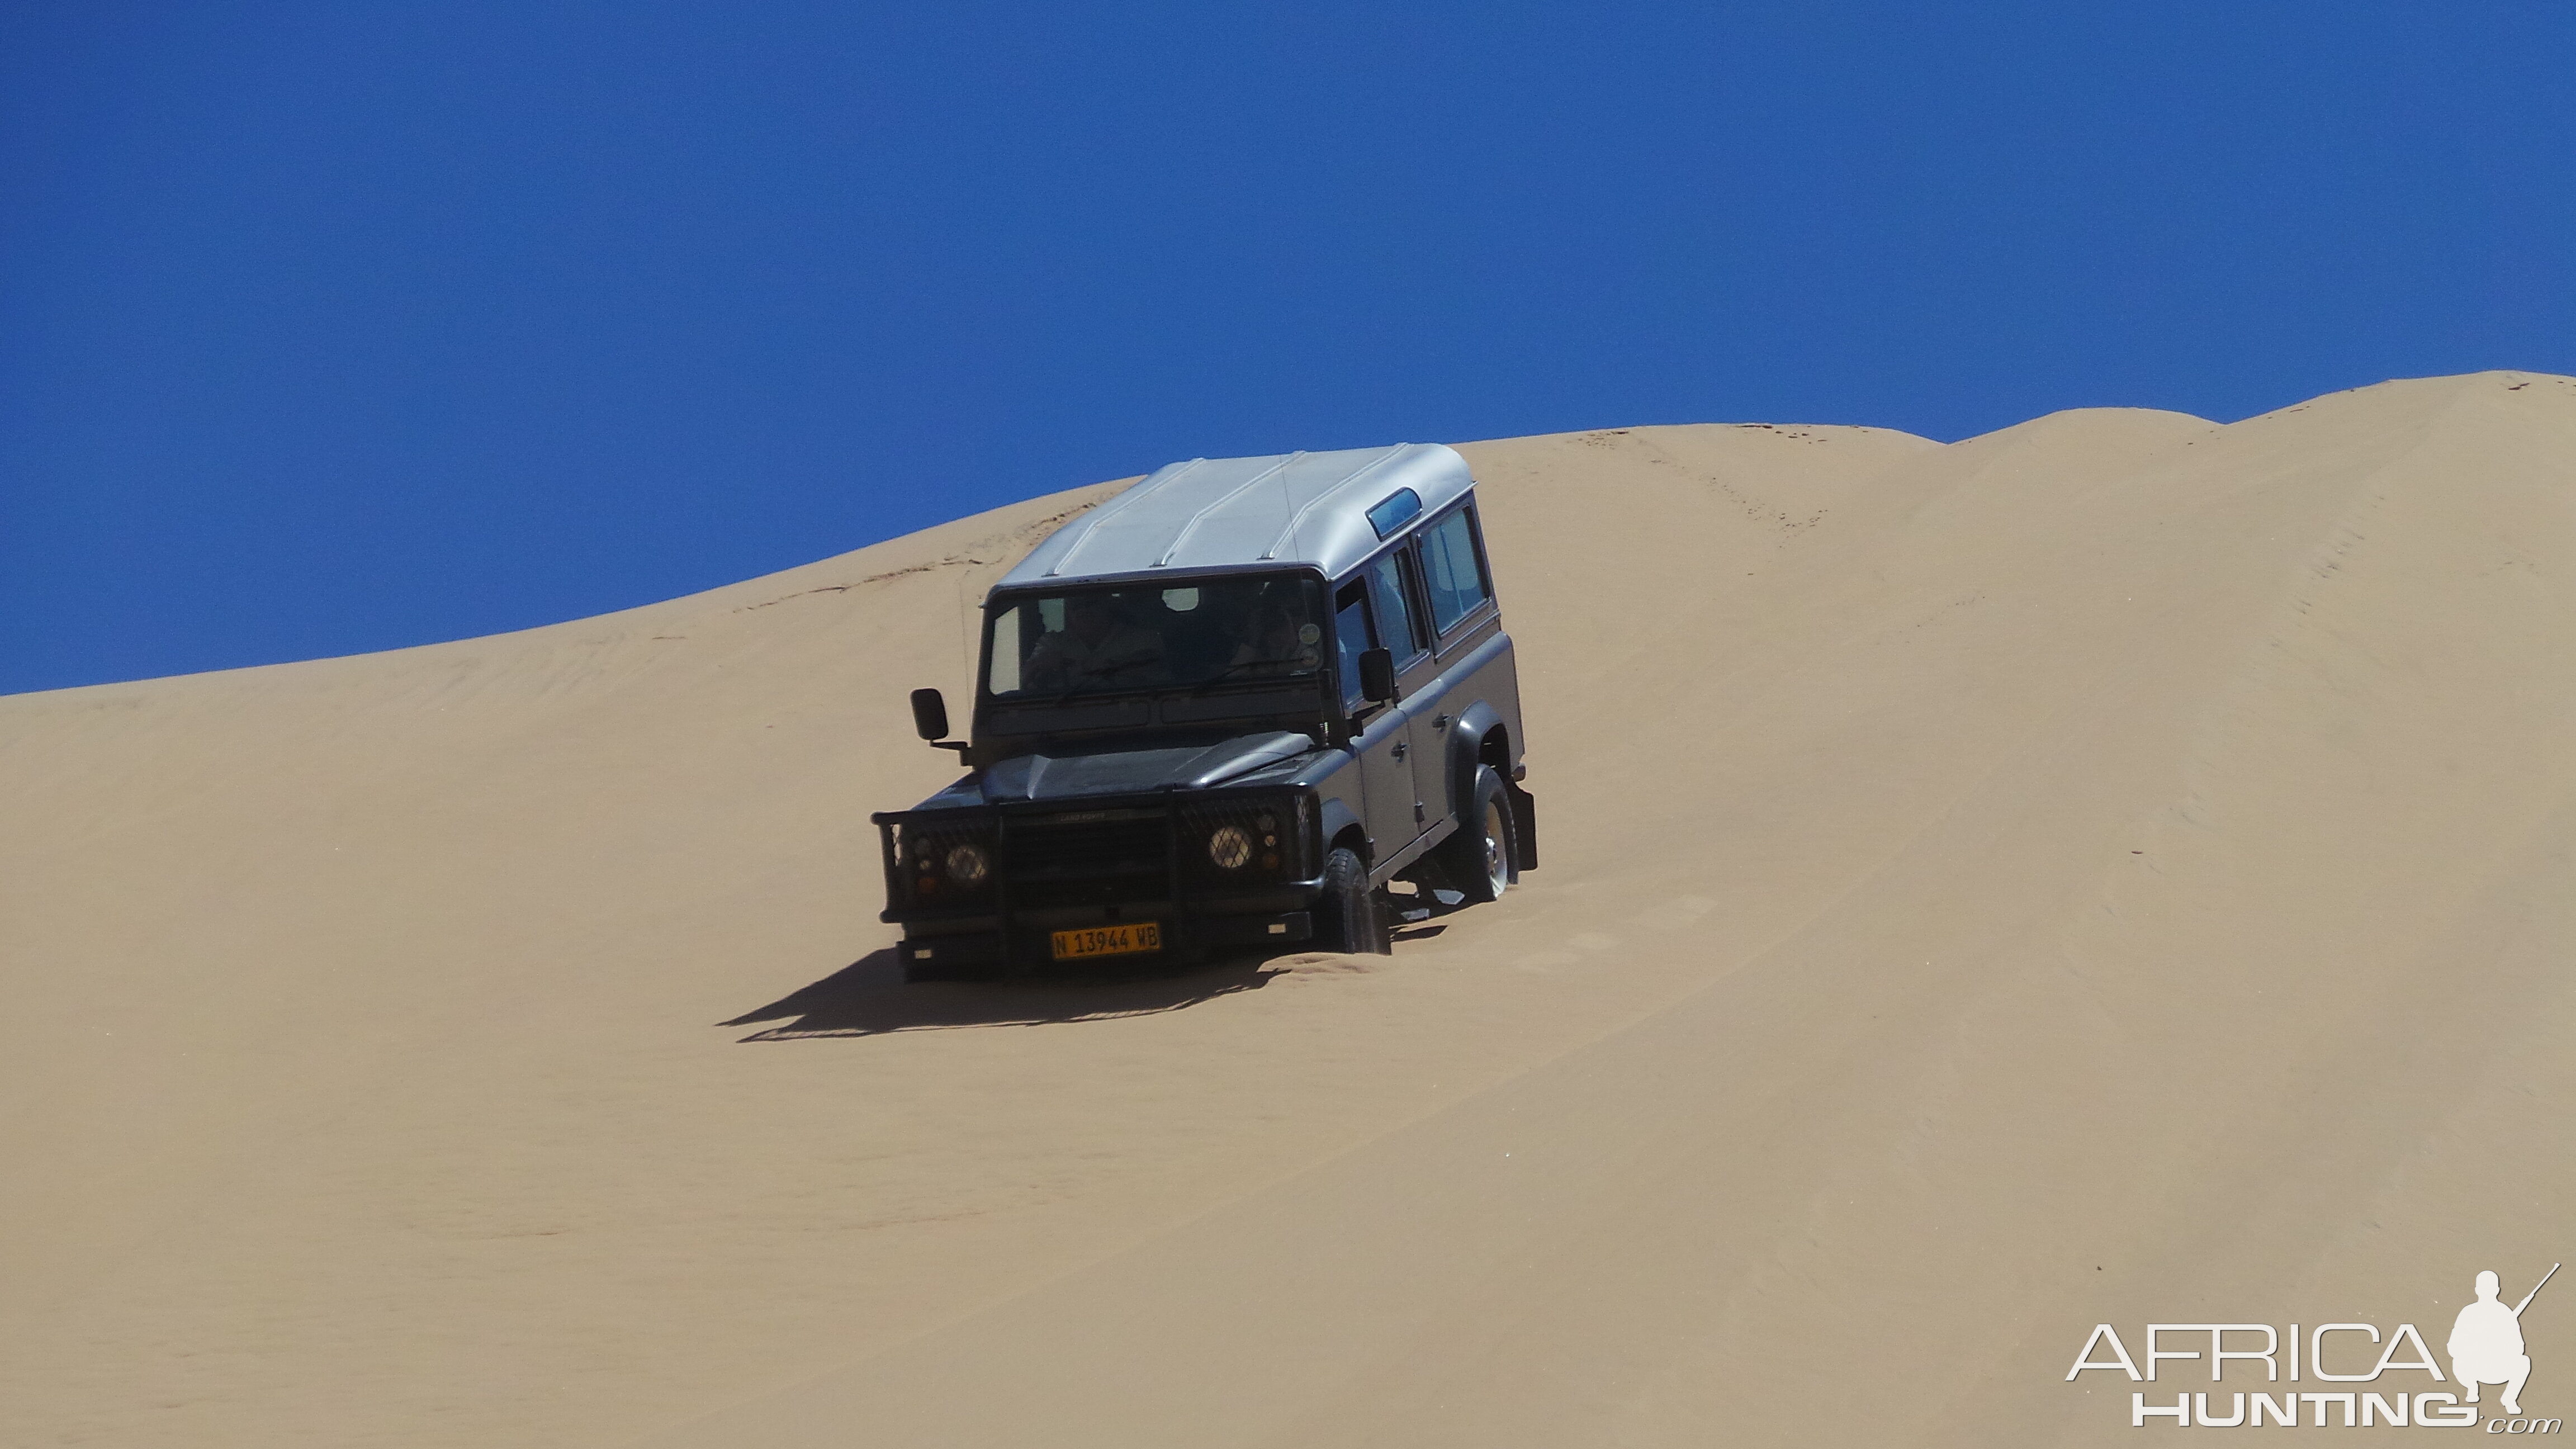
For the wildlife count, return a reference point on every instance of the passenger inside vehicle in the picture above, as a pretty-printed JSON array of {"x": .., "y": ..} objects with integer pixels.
[
  {"x": 1276, "y": 642},
  {"x": 1159, "y": 636}
]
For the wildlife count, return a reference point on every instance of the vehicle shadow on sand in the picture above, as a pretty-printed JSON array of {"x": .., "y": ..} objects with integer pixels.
[{"x": 869, "y": 997}]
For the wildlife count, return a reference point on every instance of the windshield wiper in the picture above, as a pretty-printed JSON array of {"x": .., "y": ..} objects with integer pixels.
[
  {"x": 1228, "y": 672},
  {"x": 1101, "y": 673}
]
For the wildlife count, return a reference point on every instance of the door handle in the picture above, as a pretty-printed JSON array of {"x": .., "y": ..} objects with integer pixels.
[
  {"x": 1440, "y": 723},
  {"x": 1398, "y": 751}
]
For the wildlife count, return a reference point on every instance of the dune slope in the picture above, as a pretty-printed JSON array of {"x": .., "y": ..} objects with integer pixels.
[{"x": 2114, "y": 869}]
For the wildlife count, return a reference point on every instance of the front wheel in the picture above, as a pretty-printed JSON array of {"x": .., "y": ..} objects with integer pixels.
[
  {"x": 1481, "y": 853},
  {"x": 1347, "y": 918}
]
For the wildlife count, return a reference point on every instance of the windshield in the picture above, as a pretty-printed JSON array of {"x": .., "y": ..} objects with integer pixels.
[{"x": 1155, "y": 636}]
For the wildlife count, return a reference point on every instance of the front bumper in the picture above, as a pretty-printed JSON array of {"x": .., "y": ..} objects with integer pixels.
[
  {"x": 1113, "y": 861},
  {"x": 986, "y": 942}
]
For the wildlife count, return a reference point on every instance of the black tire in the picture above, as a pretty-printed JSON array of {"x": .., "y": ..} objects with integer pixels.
[
  {"x": 1481, "y": 855},
  {"x": 1347, "y": 918}
]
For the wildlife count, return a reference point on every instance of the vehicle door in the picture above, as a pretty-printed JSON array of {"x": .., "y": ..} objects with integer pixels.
[
  {"x": 1456, "y": 602},
  {"x": 1394, "y": 589},
  {"x": 1385, "y": 742}
]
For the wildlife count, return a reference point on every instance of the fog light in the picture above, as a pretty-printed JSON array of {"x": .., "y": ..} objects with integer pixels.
[
  {"x": 1230, "y": 848},
  {"x": 968, "y": 865}
]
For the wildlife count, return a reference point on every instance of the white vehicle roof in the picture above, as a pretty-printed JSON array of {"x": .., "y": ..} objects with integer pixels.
[{"x": 1289, "y": 509}]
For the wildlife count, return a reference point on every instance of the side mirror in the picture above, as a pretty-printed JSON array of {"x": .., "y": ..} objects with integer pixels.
[
  {"x": 930, "y": 717},
  {"x": 1377, "y": 676},
  {"x": 930, "y": 714}
]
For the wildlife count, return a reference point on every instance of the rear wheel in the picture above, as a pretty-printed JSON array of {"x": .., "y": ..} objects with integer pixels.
[
  {"x": 1481, "y": 853},
  {"x": 1347, "y": 918}
]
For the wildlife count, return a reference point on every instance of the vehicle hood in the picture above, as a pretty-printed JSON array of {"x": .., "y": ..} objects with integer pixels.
[{"x": 1073, "y": 777}]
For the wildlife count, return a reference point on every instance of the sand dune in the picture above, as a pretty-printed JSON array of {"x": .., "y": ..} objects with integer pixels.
[{"x": 2117, "y": 869}]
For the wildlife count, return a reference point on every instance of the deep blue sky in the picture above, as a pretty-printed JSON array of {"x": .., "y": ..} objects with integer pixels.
[{"x": 337, "y": 327}]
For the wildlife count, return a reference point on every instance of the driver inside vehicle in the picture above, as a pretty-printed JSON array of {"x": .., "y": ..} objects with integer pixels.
[{"x": 1096, "y": 649}]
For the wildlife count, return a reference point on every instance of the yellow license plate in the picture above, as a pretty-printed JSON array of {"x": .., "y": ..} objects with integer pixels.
[{"x": 1109, "y": 940}]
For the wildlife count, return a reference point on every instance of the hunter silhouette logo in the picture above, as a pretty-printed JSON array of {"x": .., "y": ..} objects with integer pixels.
[
  {"x": 2485, "y": 1348},
  {"x": 2486, "y": 1342}
]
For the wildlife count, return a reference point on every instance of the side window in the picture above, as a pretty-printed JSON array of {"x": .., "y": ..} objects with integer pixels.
[
  {"x": 1397, "y": 627},
  {"x": 1351, "y": 633},
  {"x": 1455, "y": 583}
]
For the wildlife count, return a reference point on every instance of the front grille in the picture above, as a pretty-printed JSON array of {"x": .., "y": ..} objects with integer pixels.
[{"x": 1088, "y": 857}]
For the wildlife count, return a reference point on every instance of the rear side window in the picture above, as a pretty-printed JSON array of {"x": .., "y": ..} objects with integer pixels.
[
  {"x": 1455, "y": 582},
  {"x": 1394, "y": 616}
]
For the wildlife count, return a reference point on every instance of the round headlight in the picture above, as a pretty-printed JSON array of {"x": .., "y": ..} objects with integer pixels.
[
  {"x": 968, "y": 864},
  {"x": 1229, "y": 847}
]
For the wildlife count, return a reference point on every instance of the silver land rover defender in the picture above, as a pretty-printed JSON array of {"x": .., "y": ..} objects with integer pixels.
[{"x": 1224, "y": 710}]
